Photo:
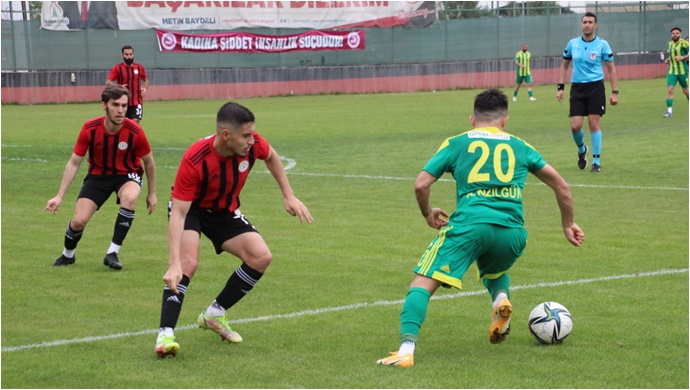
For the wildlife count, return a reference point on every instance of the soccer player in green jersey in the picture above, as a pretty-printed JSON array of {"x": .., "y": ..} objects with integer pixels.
[
  {"x": 489, "y": 167},
  {"x": 677, "y": 68},
  {"x": 523, "y": 72}
]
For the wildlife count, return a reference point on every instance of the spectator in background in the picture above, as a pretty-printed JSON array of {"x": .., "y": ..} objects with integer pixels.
[
  {"x": 677, "y": 68},
  {"x": 90, "y": 14},
  {"x": 133, "y": 77},
  {"x": 524, "y": 72}
]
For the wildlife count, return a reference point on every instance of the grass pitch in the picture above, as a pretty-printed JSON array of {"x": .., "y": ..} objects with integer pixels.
[{"x": 328, "y": 306}]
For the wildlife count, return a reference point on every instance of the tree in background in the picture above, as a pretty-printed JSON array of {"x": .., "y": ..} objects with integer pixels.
[{"x": 472, "y": 9}]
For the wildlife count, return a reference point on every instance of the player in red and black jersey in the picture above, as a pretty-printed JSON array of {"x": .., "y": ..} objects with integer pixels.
[
  {"x": 117, "y": 146},
  {"x": 205, "y": 199},
  {"x": 133, "y": 77}
]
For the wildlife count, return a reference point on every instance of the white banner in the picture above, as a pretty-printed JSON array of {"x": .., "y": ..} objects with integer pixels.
[{"x": 228, "y": 15}]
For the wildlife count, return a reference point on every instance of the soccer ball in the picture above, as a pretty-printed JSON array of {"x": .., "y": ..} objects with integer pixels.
[{"x": 550, "y": 323}]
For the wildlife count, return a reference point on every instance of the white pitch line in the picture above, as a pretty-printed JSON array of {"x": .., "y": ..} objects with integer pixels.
[
  {"x": 344, "y": 308},
  {"x": 291, "y": 164},
  {"x": 25, "y": 159},
  {"x": 451, "y": 180}
]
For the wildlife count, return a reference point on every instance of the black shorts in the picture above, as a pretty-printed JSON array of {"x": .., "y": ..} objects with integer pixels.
[
  {"x": 135, "y": 112},
  {"x": 588, "y": 99},
  {"x": 218, "y": 227},
  {"x": 99, "y": 188}
]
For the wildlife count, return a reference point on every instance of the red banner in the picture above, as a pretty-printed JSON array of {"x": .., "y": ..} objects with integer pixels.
[{"x": 242, "y": 42}]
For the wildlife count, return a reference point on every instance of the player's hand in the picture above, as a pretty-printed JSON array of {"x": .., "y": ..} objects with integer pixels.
[
  {"x": 559, "y": 95},
  {"x": 679, "y": 58},
  {"x": 53, "y": 205},
  {"x": 434, "y": 218},
  {"x": 666, "y": 61},
  {"x": 574, "y": 234},
  {"x": 613, "y": 100},
  {"x": 143, "y": 91},
  {"x": 295, "y": 207},
  {"x": 172, "y": 278},
  {"x": 151, "y": 201}
]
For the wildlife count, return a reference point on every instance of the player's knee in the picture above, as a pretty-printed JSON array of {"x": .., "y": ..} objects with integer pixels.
[
  {"x": 189, "y": 264},
  {"x": 128, "y": 200},
  {"x": 78, "y": 223},
  {"x": 260, "y": 261}
]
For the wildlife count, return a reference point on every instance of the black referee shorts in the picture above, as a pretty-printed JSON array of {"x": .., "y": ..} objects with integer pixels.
[
  {"x": 588, "y": 99},
  {"x": 98, "y": 188},
  {"x": 218, "y": 227}
]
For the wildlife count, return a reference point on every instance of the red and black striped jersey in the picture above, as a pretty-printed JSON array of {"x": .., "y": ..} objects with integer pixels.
[
  {"x": 131, "y": 77},
  {"x": 112, "y": 154},
  {"x": 212, "y": 181}
]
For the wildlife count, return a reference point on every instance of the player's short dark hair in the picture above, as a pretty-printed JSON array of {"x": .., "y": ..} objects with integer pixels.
[
  {"x": 234, "y": 114},
  {"x": 114, "y": 92},
  {"x": 590, "y": 14},
  {"x": 490, "y": 105},
  {"x": 126, "y": 47},
  {"x": 676, "y": 28}
]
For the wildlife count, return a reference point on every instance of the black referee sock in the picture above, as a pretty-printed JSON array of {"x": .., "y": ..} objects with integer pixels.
[
  {"x": 123, "y": 222},
  {"x": 72, "y": 237},
  {"x": 172, "y": 303},
  {"x": 239, "y": 284}
]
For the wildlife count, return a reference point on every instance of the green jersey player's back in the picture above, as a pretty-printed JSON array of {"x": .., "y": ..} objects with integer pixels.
[{"x": 489, "y": 167}]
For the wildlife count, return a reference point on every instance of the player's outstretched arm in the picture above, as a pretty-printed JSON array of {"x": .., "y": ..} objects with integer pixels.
[
  {"x": 150, "y": 170},
  {"x": 422, "y": 191},
  {"x": 178, "y": 214},
  {"x": 293, "y": 206},
  {"x": 68, "y": 176},
  {"x": 561, "y": 189}
]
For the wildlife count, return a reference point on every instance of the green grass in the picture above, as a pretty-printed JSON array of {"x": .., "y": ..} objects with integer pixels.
[{"x": 328, "y": 306}]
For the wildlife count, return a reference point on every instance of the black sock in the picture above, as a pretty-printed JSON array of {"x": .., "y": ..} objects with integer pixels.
[
  {"x": 72, "y": 237},
  {"x": 239, "y": 284},
  {"x": 172, "y": 303},
  {"x": 123, "y": 222}
]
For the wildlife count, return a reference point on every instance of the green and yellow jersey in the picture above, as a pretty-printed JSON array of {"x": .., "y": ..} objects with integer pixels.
[
  {"x": 523, "y": 58},
  {"x": 490, "y": 168},
  {"x": 675, "y": 49}
]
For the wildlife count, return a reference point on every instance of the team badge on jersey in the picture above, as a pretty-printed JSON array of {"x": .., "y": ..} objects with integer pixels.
[
  {"x": 122, "y": 145},
  {"x": 244, "y": 165},
  {"x": 136, "y": 71},
  {"x": 592, "y": 56}
]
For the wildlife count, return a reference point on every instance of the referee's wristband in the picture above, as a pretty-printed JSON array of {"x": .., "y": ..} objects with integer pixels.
[{"x": 560, "y": 87}]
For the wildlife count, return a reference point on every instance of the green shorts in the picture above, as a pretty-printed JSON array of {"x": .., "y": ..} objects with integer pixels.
[
  {"x": 672, "y": 79},
  {"x": 495, "y": 249},
  {"x": 520, "y": 79}
]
